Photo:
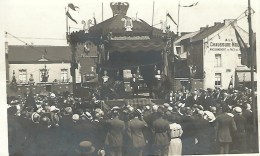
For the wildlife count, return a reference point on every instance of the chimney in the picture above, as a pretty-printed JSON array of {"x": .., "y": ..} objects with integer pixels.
[
  {"x": 217, "y": 23},
  {"x": 6, "y": 47},
  {"x": 228, "y": 21},
  {"x": 202, "y": 28}
]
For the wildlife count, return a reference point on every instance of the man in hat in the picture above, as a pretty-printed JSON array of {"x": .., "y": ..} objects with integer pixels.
[
  {"x": 161, "y": 130},
  {"x": 225, "y": 125},
  {"x": 54, "y": 116},
  {"x": 248, "y": 115},
  {"x": 135, "y": 133},
  {"x": 239, "y": 143},
  {"x": 114, "y": 138},
  {"x": 189, "y": 132}
]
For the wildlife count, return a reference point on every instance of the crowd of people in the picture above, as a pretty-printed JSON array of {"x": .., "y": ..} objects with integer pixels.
[{"x": 211, "y": 121}]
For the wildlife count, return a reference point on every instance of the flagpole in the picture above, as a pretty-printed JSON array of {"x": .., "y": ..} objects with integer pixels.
[
  {"x": 102, "y": 12},
  {"x": 153, "y": 14},
  {"x": 178, "y": 18},
  {"x": 252, "y": 65},
  {"x": 66, "y": 25}
]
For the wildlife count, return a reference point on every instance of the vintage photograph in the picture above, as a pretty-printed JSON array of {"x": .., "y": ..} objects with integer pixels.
[{"x": 131, "y": 78}]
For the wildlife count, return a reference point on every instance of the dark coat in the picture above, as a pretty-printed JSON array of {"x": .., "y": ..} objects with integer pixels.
[
  {"x": 189, "y": 127},
  {"x": 161, "y": 130},
  {"x": 225, "y": 126},
  {"x": 115, "y": 128},
  {"x": 249, "y": 120},
  {"x": 135, "y": 132}
]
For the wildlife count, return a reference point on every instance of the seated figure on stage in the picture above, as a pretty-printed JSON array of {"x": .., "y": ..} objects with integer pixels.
[
  {"x": 158, "y": 75},
  {"x": 134, "y": 84}
]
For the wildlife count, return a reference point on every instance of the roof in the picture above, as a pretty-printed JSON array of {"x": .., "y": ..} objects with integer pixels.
[
  {"x": 186, "y": 36},
  {"x": 207, "y": 32},
  {"x": 117, "y": 27},
  {"x": 22, "y": 53}
]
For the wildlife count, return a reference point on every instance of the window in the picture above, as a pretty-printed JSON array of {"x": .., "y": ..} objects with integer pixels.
[
  {"x": 217, "y": 79},
  {"x": 217, "y": 60},
  {"x": 44, "y": 75},
  {"x": 64, "y": 75},
  {"x": 178, "y": 50},
  {"x": 23, "y": 76}
]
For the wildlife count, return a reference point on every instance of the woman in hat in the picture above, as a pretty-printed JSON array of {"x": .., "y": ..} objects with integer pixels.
[{"x": 175, "y": 147}]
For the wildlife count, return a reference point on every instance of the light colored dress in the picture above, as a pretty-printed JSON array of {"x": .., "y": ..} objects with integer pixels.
[{"x": 175, "y": 147}]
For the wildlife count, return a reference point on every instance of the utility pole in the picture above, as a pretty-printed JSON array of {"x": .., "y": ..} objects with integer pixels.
[
  {"x": 73, "y": 66},
  {"x": 153, "y": 14},
  {"x": 252, "y": 66},
  {"x": 178, "y": 18},
  {"x": 102, "y": 12}
]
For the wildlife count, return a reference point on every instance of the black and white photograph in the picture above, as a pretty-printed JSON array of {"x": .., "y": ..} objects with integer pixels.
[{"x": 129, "y": 78}]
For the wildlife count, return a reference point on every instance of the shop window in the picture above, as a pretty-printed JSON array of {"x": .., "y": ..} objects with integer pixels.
[
  {"x": 23, "y": 76},
  {"x": 218, "y": 79},
  {"x": 217, "y": 60}
]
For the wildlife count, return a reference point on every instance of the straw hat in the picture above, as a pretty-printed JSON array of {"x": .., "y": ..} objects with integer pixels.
[{"x": 85, "y": 147}]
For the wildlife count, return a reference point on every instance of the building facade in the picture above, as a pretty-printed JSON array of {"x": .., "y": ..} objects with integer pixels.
[
  {"x": 29, "y": 64},
  {"x": 213, "y": 55}
]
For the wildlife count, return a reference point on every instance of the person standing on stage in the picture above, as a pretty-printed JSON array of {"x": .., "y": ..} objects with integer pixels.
[{"x": 134, "y": 85}]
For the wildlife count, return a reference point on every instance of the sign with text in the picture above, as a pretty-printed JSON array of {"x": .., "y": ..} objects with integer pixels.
[{"x": 223, "y": 46}]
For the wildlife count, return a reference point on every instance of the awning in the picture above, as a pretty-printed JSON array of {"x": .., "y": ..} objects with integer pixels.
[
  {"x": 245, "y": 76},
  {"x": 136, "y": 45}
]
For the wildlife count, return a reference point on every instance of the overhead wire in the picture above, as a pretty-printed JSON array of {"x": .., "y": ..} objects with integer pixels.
[
  {"x": 39, "y": 38},
  {"x": 231, "y": 23},
  {"x": 31, "y": 46}
]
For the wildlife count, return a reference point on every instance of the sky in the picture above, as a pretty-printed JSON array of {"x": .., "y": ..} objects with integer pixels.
[{"x": 41, "y": 22}]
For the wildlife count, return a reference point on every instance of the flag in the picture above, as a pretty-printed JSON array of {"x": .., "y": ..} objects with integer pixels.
[
  {"x": 245, "y": 60},
  {"x": 194, "y": 4},
  {"x": 230, "y": 83},
  {"x": 95, "y": 21},
  {"x": 168, "y": 15},
  {"x": 72, "y": 6},
  {"x": 68, "y": 14}
]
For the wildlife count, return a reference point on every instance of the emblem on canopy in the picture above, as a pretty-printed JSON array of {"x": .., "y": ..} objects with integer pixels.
[{"x": 128, "y": 23}]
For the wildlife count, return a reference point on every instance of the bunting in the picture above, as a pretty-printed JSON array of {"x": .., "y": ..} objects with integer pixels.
[
  {"x": 245, "y": 59},
  {"x": 70, "y": 17},
  {"x": 194, "y": 4},
  {"x": 168, "y": 15},
  {"x": 230, "y": 85},
  {"x": 73, "y": 7}
]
